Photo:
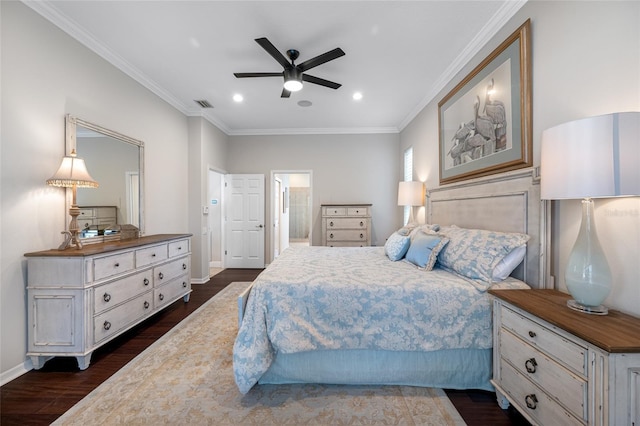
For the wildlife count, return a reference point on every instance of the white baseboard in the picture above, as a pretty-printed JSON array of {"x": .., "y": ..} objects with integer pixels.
[
  {"x": 200, "y": 280},
  {"x": 15, "y": 372}
]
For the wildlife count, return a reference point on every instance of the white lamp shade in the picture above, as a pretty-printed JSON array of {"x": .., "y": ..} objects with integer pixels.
[
  {"x": 410, "y": 193},
  {"x": 72, "y": 172},
  {"x": 592, "y": 157}
]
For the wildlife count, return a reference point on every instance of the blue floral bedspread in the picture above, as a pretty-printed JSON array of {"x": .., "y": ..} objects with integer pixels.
[{"x": 321, "y": 298}]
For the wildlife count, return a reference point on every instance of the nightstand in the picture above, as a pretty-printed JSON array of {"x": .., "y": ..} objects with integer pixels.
[{"x": 562, "y": 367}]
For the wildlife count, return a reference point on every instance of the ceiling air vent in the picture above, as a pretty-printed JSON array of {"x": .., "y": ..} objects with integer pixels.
[{"x": 203, "y": 103}]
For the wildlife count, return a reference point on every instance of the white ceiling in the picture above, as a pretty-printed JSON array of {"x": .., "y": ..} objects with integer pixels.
[{"x": 399, "y": 55}]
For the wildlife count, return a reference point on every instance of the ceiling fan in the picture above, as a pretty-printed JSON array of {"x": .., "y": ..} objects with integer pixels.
[{"x": 294, "y": 74}]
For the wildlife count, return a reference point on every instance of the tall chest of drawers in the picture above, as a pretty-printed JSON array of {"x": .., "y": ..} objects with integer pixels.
[
  {"x": 79, "y": 300},
  {"x": 562, "y": 367},
  {"x": 346, "y": 225}
]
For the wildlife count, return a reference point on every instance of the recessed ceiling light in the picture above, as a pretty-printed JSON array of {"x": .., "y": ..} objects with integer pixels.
[
  {"x": 357, "y": 96},
  {"x": 238, "y": 97},
  {"x": 305, "y": 103}
]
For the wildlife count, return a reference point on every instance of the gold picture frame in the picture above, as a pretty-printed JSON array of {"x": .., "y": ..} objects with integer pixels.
[{"x": 484, "y": 123}]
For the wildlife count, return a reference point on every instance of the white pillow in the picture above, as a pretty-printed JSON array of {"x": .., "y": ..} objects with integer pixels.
[{"x": 509, "y": 263}]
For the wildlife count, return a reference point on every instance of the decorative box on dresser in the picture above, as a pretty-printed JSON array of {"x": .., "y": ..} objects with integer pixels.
[
  {"x": 346, "y": 225},
  {"x": 558, "y": 366},
  {"x": 79, "y": 300}
]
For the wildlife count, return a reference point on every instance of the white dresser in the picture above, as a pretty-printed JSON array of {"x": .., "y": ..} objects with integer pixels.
[
  {"x": 346, "y": 225},
  {"x": 562, "y": 367},
  {"x": 78, "y": 300},
  {"x": 97, "y": 216}
]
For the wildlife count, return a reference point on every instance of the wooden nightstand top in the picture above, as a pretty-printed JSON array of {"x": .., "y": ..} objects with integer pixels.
[{"x": 615, "y": 333}]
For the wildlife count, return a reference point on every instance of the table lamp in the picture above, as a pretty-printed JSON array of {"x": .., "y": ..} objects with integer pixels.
[
  {"x": 73, "y": 174},
  {"x": 595, "y": 157},
  {"x": 411, "y": 193}
]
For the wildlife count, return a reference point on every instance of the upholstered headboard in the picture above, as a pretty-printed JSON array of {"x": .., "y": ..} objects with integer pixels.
[{"x": 508, "y": 202}]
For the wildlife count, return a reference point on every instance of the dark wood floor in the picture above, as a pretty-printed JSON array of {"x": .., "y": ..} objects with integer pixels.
[{"x": 40, "y": 397}]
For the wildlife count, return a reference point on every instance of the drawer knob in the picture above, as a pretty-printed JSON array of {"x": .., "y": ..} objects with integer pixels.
[
  {"x": 331, "y": 223},
  {"x": 117, "y": 265},
  {"x": 330, "y": 235},
  {"x": 361, "y": 223},
  {"x": 106, "y": 325},
  {"x": 146, "y": 304},
  {"x": 146, "y": 281},
  {"x": 153, "y": 255},
  {"x": 106, "y": 297},
  {"x": 184, "y": 284},
  {"x": 532, "y": 334},
  {"x": 531, "y": 400},
  {"x": 361, "y": 235},
  {"x": 184, "y": 266},
  {"x": 531, "y": 365},
  {"x": 161, "y": 275},
  {"x": 161, "y": 296},
  {"x": 180, "y": 248}
]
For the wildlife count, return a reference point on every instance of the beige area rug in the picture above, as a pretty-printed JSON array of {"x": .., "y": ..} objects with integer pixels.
[{"x": 186, "y": 377}]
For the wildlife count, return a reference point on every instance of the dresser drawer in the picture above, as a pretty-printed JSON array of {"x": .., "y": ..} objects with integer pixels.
[
  {"x": 335, "y": 211},
  {"x": 177, "y": 248},
  {"x": 107, "y": 266},
  {"x": 170, "y": 270},
  {"x": 346, "y": 223},
  {"x": 172, "y": 290},
  {"x": 109, "y": 295},
  {"x": 347, "y": 244},
  {"x": 357, "y": 211},
  {"x": 560, "y": 383},
  {"x": 540, "y": 406},
  {"x": 346, "y": 235},
  {"x": 150, "y": 255},
  {"x": 571, "y": 354},
  {"x": 112, "y": 321}
]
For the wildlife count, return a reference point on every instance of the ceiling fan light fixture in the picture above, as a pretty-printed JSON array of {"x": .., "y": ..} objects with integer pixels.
[
  {"x": 292, "y": 79},
  {"x": 293, "y": 85}
]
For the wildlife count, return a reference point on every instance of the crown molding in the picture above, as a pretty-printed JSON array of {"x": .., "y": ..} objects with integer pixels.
[
  {"x": 46, "y": 10},
  {"x": 315, "y": 131},
  {"x": 508, "y": 9}
]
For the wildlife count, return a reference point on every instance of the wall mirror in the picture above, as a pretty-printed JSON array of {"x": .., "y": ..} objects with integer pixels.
[{"x": 116, "y": 162}]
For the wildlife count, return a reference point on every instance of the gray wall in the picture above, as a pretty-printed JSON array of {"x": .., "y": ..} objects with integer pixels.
[
  {"x": 207, "y": 150},
  {"x": 346, "y": 169},
  {"x": 45, "y": 75},
  {"x": 586, "y": 61}
]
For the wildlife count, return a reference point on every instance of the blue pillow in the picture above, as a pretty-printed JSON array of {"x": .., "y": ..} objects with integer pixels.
[
  {"x": 424, "y": 250},
  {"x": 396, "y": 246}
]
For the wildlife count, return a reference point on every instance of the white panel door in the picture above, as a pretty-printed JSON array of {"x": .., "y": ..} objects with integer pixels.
[{"x": 245, "y": 221}]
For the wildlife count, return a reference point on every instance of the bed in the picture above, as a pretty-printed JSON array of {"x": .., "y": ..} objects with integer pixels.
[{"x": 360, "y": 316}]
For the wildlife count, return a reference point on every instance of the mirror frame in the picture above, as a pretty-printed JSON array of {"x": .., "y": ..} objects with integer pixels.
[{"x": 71, "y": 123}]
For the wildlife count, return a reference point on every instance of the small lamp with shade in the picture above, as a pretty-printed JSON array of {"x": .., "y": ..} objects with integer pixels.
[
  {"x": 595, "y": 157},
  {"x": 411, "y": 193},
  {"x": 73, "y": 174}
]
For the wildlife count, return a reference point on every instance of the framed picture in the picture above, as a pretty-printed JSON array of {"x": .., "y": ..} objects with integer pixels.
[{"x": 485, "y": 121}]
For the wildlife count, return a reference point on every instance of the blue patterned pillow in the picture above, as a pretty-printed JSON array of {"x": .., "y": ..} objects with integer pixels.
[
  {"x": 474, "y": 253},
  {"x": 424, "y": 249},
  {"x": 396, "y": 246}
]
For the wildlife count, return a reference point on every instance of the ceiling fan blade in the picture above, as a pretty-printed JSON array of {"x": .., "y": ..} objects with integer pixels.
[
  {"x": 257, "y": 74},
  {"x": 320, "y": 81},
  {"x": 321, "y": 59},
  {"x": 285, "y": 93},
  {"x": 273, "y": 51}
]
